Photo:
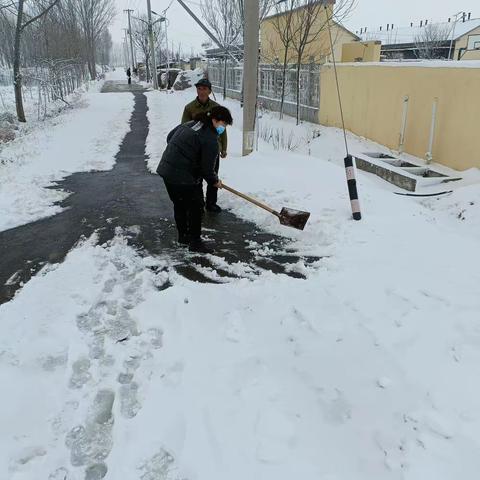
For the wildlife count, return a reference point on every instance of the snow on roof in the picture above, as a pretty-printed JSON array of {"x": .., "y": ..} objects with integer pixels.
[{"x": 400, "y": 35}]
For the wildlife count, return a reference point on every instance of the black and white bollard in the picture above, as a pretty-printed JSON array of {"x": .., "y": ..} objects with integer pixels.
[{"x": 352, "y": 187}]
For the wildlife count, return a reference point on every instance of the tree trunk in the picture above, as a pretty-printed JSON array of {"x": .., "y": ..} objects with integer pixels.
[
  {"x": 92, "y": 68},
  {"x": 225, "y": 77},
  {"x": 17, "y": 75},
  {"x": 299, "y": 66},
  {"x": 284, "y": 78},
  {"x": 147, "y": 66}
]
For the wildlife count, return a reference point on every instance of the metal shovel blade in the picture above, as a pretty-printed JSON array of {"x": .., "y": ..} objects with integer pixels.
[{"x": 293, "y": 218}]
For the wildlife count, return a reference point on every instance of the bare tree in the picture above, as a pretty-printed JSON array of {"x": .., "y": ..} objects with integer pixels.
[
  {"x": 23, "y": 20},
  {"x": 44, "y": 42},
  {"x": 223, "y": 20},
  {"x": 141, "y": 39},
  {"x": 307, "y": 24},
  {"x": 430, "y": 41},
  {"x": 7, "y": 38},
  {"x": 282, "y": 23},
  {"x": 94, "y": 17},
  {"x": 226, "y": 20},
  {"x": 56, "y": 36},
  {"x": 265, "y": 6},
  {"x": 311, "y": 18},
  {"x": 104, "y": 48}
]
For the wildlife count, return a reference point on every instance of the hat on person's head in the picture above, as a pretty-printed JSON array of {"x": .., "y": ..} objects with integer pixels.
[{"x": 204, "y": 82}]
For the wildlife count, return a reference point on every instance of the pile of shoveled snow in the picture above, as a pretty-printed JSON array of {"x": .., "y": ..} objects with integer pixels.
[{"x": 188, "y": 78}]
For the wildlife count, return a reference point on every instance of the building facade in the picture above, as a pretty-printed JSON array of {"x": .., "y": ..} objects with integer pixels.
[{"x": 317, "y": 49}]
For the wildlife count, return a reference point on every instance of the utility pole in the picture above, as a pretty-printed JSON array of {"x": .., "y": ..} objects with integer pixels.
[
  {"x": 128, "y": 11},
  {"x": 125, "y": 48},
  {"x": 152, "y": 46},
  {"x": 453, "y": 34},
  {"x": 250, "y": 73},
  {"x": 168, "y": 53}
]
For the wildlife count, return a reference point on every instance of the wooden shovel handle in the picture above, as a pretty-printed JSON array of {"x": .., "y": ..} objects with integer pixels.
[{"x": 250, "y": 199}]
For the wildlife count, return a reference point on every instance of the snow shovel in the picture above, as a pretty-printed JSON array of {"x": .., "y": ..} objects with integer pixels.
[{"x": 287, "y": 216}]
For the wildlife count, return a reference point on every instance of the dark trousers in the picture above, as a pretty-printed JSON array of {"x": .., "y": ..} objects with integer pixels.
[
  {"x": 212, "y": 192},
  {"x": 129, "y": 80},
  {"x": 187, "y": 207}
]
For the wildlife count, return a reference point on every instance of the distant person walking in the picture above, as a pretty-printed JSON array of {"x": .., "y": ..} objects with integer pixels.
[
  {"x": 191, "y": 157},
  {"x": 203, "y": 104},
  {"x": 129, "y": 75}
]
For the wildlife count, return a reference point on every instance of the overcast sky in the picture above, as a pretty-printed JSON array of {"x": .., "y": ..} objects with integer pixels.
[{"x": 368, "y": 13}]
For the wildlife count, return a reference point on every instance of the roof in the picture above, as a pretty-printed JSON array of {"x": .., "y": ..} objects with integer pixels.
[
  {"x": 279, "y": 14},
  {"x": 220, "y": 52},
  {"x": 406, "y": 35}
]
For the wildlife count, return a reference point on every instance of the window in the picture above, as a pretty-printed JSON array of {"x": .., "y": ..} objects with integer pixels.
[{"x": 473, "y": 42}]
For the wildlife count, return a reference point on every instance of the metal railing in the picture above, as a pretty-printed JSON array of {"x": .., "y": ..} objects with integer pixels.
[
  {"x": 270, "y": 82},
  {"x": 48, "y": 81}
]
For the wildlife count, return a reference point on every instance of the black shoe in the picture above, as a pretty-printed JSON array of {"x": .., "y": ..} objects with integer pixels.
[
  {"x": 214, "y": 208},
  {"x": 184, "y": 239},
  {"x": 199, "y": 246}
]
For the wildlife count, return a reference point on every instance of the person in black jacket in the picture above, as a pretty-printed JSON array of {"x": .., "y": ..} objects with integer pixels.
[{"x": 190, "y": 158}]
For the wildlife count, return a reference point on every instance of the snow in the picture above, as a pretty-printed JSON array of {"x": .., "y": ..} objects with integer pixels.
[
  {"x": 368, "y": 369},
  {"x": 189, "y": 76},
  {"x": 83, "y": 138}
]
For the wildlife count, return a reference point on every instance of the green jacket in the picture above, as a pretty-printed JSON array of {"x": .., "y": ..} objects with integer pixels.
[{"x": 194, "y": 108}]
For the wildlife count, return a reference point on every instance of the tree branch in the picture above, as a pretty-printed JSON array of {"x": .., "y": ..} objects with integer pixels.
[
  {"x": 40, "y": 15},
  {"x": 6, "y": 5}
]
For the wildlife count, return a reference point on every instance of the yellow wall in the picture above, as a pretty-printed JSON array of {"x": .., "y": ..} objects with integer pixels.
[
  {"x": 373, "y": 96},
  {"x": 471, "y": 55},
  {"x": 366, "y": 51},
  {"x": 318, "y": 51}
]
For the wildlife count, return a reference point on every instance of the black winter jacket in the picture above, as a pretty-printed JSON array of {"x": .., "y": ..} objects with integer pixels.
[{"x": 190, "y": 155}]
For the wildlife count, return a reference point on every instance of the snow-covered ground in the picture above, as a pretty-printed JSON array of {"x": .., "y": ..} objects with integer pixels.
[
  {"x": 85, "y": 137},
  {"x": 366, "y": 370}
]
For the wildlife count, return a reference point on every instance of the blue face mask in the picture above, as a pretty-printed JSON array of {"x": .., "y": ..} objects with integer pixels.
[{"x": 220, "y": 129}]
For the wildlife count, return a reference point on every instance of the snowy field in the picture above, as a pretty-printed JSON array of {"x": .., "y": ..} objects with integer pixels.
[{"x": 366, "y": 370}]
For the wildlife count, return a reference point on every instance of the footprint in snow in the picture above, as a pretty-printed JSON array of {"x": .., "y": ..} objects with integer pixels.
[
  {"x": 276, "y": 434},
  {"x": 129, "y": 404},
  {"x": 160, "y": 467},
  {"x": 80, "y": 373},
  {"x": 90, "y": 444},
  {"x": 234, "y": 327}
]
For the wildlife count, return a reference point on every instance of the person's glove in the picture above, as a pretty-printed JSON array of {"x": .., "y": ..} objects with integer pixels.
[{"x": 223, "y": 154}]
